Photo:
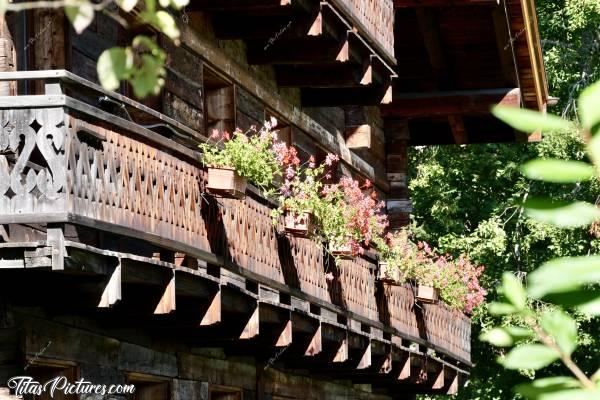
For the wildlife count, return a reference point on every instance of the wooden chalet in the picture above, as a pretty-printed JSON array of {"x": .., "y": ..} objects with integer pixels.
[{"x": 115, "y": 266}]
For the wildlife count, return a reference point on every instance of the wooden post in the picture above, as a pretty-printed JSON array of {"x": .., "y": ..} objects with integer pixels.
[
  {"x": 7, "y": 58},
  {"x": 398, "y": 203}
]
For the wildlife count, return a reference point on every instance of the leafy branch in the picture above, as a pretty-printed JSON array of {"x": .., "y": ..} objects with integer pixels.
[{"x": 565, "y": 283}]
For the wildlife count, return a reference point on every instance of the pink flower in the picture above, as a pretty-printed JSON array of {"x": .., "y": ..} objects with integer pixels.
[
  {"x": 311, "y": 162},
  {"x": 273, "y": 121},
  {"x": 329, "y": 277},
  {"x": 214, "y": 134},
  {"x": 331, "y": 158}
]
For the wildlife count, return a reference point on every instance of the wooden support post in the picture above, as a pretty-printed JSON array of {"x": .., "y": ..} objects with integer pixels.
[
  {"x": 56, "y": 240},
  {"x": 113, "y": 290},
  {"x": 167, "y": 302},
  {"x": 399, "y": 207}
]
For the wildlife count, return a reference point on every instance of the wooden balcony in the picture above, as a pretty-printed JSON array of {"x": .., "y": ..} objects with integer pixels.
[{"x": 100, "y": 209}]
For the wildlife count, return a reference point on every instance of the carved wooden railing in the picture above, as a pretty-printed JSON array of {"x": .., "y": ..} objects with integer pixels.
[
  {"x": 373, "y": 18},
  {"x": 64, "y": 161}
]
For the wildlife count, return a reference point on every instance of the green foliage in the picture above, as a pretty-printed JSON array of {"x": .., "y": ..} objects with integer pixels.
[
  {"x": 468, "y": 199},
  {"x": 571, "y": 47},
  {"x": 556, "y": 332}
]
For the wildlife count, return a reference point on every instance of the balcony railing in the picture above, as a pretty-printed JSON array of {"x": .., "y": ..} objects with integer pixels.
[{"x": 66, "y": 161}]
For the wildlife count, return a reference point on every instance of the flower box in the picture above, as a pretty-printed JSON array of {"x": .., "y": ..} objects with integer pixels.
[
  {"x": 226, "y": 182},
  {"x": 427, "y": 294},
  {"x": 298, "y": 224},
  {"x": 341, "y": 251}
]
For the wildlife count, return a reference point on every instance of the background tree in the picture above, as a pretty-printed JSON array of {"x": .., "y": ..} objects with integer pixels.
[{"x": 467, "y": 198}]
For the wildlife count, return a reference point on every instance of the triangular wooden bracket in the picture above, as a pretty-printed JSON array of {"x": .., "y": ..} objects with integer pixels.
[
  {"x": 167, "y": 302},
  {"x": 342, "y": 352},
  {"x": 386, "y": 367},
  {"x": 112, "y": 293},
  {"x": 438, "y": 383},
  {"x": 316, "y": 29},
  {"x": 285, "y": 337},
  {"x": 453, "y": 388},
  {"x": 316, "y": 343},
  {"x": 405, "y": 368},
  {"x": 365, "y": 360},
  {"x": 251, "y": 329},
  {"x": 213, "y": 313}
]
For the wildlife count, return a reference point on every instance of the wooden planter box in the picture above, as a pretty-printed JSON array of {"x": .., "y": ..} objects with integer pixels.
[
  {"x": 226, "y": 182},
  {"x": 427, "y": 294},
  {"x": 298, "y": 224},
  {"x": 344, "y": 252}
]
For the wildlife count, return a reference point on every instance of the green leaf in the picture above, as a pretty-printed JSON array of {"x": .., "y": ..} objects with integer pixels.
[
  {"x": 165, "y": 22},
  {"x": 513, "y": 290},
  {"x": 113, "y": 66},
  {"x": 127, "y": 5},
  {"x": 593, "y": 149},
  {"x": 562, "y": 214},
  {"x": 518, "y": 332},
  {"x": 558, "y": 171},
  {"x": 541, "y": 388},
  {"x": 563, "y": 275},
  {"x": 562, "y": 328},
  {"x": 3, "y": 7},
  {"x": 497, "y": 308},
  {"x": 81, "y": 14},
  {"x": 530, "y": 356},
  {"x": 530, "y": 121},
  {"x": 574, "y": 394},
  {"x": 589, "y": 108},
  {"x": 586, "y": 301},
  {"x": 497, "y": 337},
  {"x": 175, "y": 3}
]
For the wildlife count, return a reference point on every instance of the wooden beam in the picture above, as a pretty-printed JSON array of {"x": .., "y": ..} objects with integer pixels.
[
  {"x": 443, "y": 3},
  {"x": 260, "y": 6},
  {"x": 504, "y": 46},
  {"x": 322, "y": 76},
  {"x": 458, "y": 129},
  {"x": 429, "y": 27},
  {"x": 372, "y": 95},
  {"x": 465, "y": 102},
  {"x": 310, "y": 50}
]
